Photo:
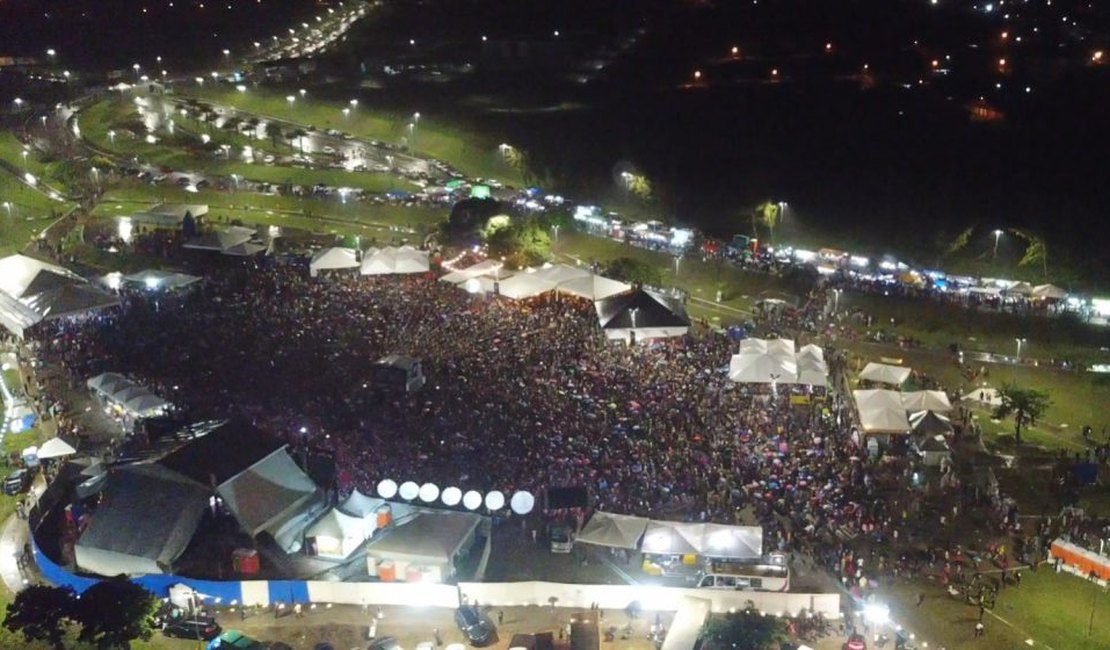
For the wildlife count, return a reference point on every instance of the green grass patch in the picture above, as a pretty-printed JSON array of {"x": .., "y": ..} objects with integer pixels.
[
  {"x": 30, "y": 213},
  {"x": 473, "y": 153},
  {"x": 378, "y": 183},
  {"x": 11, "y": 151}
]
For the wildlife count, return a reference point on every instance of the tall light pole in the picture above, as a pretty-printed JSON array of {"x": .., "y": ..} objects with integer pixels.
[
  {"x": 677, "y": 261},
  {"x": 997, "y": 234},
  {"x": 8, "y": 207},
  {"x": 836, "y": 300},
  {"x": 1019, "y": 344}
]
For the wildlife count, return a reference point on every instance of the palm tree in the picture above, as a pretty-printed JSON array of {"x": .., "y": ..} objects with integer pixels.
[
  {"x": 273, "y": 132},
  {"x": 1021, "y": 403},
  {"x": 297, "y": 134}
]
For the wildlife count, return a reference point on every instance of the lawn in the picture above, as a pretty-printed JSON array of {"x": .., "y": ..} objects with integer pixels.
[
  {"x": 30, "y": 212},
  {"x": 377, "y": 183},
  {"x": 1052, "y": 609},
  {"x": 472, "y": 153},
  {"x": 11, "y": 150}
]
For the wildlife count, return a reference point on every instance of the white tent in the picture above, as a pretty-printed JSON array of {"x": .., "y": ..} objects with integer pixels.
[
  {"x": 55, "y": 448},
  {"x": 616, "y": 531},
  {"x": 1020, "y": 289},
  {"x": 560, "y": 273},
  {"x": 1049, "y": 291},
  {"x": 593, "y": 287},
  {"x": 337, "y": 535},
  {"x": 812, "y": 371},
  {"x": 358, "y": 504},
  {"x": 32, "y": 291},
  {"x": 732, "y": 542},
  {"x": 159, "y": 279},
  {"x": 781, "y": 347},
  {"x": 881, "y": 411},
  {"x": 753, "y": 346},
  {"x": 811, "y": 351},
  {"x": 327, "y": 259},
  {"x": 429, "y": 539},
  {"x": 984, "y": 395},
  {"x": 756, "y": 368},
  {"x": 145, "y": 404},
  {"x": 393, "y": 260},
  {"x": 926, "y": 400},
  {"x": 672, "y": 538},
  {"x": 524, "y": 285},
  {"x": 491, "y": 268},
  {"x": 885, "y": 374}
]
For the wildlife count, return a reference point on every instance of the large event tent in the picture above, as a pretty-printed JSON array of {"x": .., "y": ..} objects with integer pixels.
[
  {"x": 638, "y": 314},
  {"x": 158, "y": 279},
  {"x": 885, "y": 374},
  {"x": 926, "y": 400},
  {"x": 881, "y": 411},
  {"x": 395, "y": 260},
  {"x": 616, "y": 531},
  {"x": 560, "y": 273},
  {"x": 127, "y": 395},
  {"x": 1049, "y": 291},
  {"x": 928, "y": 423},
  {"x": 486, "y": 268},
  {"x": 672, "y": 538},
  {"x": 328, "y": 259},
  {"x": 775, "y": 361},
  {"x": 708, "y": 540},
  {"x": 524, "y": 285},
  {"x": 762, "y": 368},
  {"x": 429, "y": 539},
  {"x": 593, "y": 287},
  {"x": 55, "y": 448},
  {"x": 32, "y": 291}
]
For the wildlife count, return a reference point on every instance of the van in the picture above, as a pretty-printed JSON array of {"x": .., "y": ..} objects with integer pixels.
[
  {"x": 17, "y": 482},
  {"x": 743, "y": 576},
  {"x": 561, "y": 539}
]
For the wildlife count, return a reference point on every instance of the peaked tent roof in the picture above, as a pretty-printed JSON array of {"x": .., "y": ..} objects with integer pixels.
[
  {"x": 640, "y": 309},
  {"x": 885, "y": 374},
  {"x": 525, "y": 285},
  {"x": 341, "y": 526},
  {"x": 429, "y": 537},
  {"x": 616, "y": 531},
  {"x": 220, "y": 455},
  {"x": 358, "y": 504},
  {"x": 929, "y": 423},
  {"x": 334, "y": 258},
  {"x": 759, "y": 368},
  {"x": 1050, "y": 291},
  {"x": 20, "y": 276},
  {"x": 560, "y": 273},
  {"x": 391, "y": 259},
  {"x": 32, "y": 291},
  {"x": 160, "y": 278},
  {"x": 55, "y": 448},
  {"x": 926, "y": 400},
  {"x": 221, "y": 240},
  {"x": 593, "y": 287},
  {"x": 485, "y": 267},
  {"x": 811, "y": 351},
  {"x": 267, "y": 492},
  {"x": 672, "y": 538}
]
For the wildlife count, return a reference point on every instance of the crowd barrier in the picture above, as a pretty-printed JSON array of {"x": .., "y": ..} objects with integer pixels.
[
  {"x": 512, "y": 594},
  {"x": 1083, "y": 561}
]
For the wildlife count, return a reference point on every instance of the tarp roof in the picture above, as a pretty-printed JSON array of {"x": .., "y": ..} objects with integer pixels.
[
  {"x": 223, "y": 453},
  {"x": 267, "y": 492},
  {"x": 334, "y": 258},
  {"x": 162, "y": 279},
  {"x": 672, "y": 538},
  {"x": 358, "y": 504},
  {"x": 32, "y": 290},
  {"x": 762, "y": 368},
  {"x": 641, "y": 310},
  {"x": 811, "y": 351},
  {"x": 881, "y": 411},
  {"x": 885, "y": 374},
  {"x": 616, "y": 531},
  {"x": 1049, "y": 291},
  {"x": 55, "y": 448},
  {"x": 485, "y": 267},
  {"x": 560, "y": 273},
  {"x": 144, "y": 523},
  {"x": 593, "y": 287},
  {"x": 24, "y": 276},
  {"x": 732, "y": 542},
  {"x": 525, "y": 285},
  {"x": 221, "y": 240},
  {"x": 929, "y": 423},
  {"x": 349, "y": 531},
  {"x": 126, "y": 393},
  {"x": 390, "y": 260},
  {"x": 926, "y": 400},
  {"x": 427, "y": 538}
]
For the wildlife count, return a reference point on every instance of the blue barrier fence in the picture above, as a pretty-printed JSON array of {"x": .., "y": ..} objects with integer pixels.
[{"x": 229, "y": 591}]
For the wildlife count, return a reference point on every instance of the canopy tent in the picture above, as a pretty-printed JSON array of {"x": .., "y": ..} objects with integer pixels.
[
  {"x": 1019, "y": 289},
  {"x": 221, "y": 241},
  {"x": 561, "y": 273},
  {"x": 429, "y": 539},
  {"x": 267, "y": 492},
  {"x": 926, "y": 400},
  {"x": 358, "y": 504},
  {"x": 616, "y": 531},
  {"x": 127, "y": 394},
  {"x": 491, "y": 268},
  {"x": 592, "y": 287},
  {"x": 934, "y": 449},
  {"x": 753, "y": 346},
  {"x": 881, "y": 411},
  {"x": 327, "y": 259},
  {"x": 811, "y": 351},
  {"x": 885, "y": 374},
  {"x": 732, "y": 542},
  {"x": 781, "y": 347},
  {"x": 1049, "y": 291},
  {"x": 55, "y": 448},
  {"x": 158, "y": 279},
  {"x": 928, "y": 423},
  {"x": 337, "y": 535},
  {"x": 812, "y": 371},
  {"x": 639, "y": 314},
  {"x": 392, "y": 260},
  {"x": 524, "y": 285},
  {"x": 158, "y": 509},
  {"x": 32, "y": 291},
  {"x": 762, "y": 368},
  {"x": 672, "y": 538}
]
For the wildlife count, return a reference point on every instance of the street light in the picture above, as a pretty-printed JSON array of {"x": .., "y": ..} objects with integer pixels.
[
  {"x": 18, "y": 102},
  {"x": 1019, "y": 344},
  {"x": 997, "y": 234},
  {"x": 290, "y": 99},
  {"x": 677, "y": 260},
  {"x": 836, "y": 299},
  {"x": 303, "y": 92},
  {"x": 354, "y": 103},
  {"x": 8, "y": 206},
  {"x": 112, "y": 136},
  {"x": 346, "y": 112}
]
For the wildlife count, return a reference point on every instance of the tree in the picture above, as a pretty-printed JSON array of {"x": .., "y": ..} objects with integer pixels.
[
  {"x": 1021, "y": 403},
  {"x": 768, "y": 215},
  {"x": 299, "y": 136},
  {"x": 467, "y": 218},
  {"x": 112, "y": 613},
  {"x": 40, "y": 613},
  {"x": 521, "y": 244},
  {"x": 744, "y": 630},
  {"x": 634, "y": 271},
  {"x": 1036, "y": 250},
  {"x": 273, "y": 132}
]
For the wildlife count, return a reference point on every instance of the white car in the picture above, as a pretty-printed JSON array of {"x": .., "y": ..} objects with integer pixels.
[{"x": 329, "y": 150}]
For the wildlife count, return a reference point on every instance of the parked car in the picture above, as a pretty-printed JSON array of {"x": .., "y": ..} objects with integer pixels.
[
  {"x": 856, "y": 642},
  {"x": 17, "y": 482},
  {"x": 475, "y": 626},
  {"x": 189, "y": 628}
]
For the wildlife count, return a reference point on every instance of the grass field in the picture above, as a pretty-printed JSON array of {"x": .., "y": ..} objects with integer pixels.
[
  {"x": 1054, "y": 610},
  {"x": 29, "y": 214},
  {"x": 11, "y": 150},
  {"x": 472, "y": 153}
]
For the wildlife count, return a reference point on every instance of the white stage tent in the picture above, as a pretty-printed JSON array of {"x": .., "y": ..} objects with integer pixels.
[
  {"x": 158, "y": 279},
  {"x": 490, "y": 268},
  {"x": 762, "y": 368},
  {"x": 337, "y": 535},
  {"x": 616, "y": 531},
  {"x": 561, "y": 273},
  {"x": 708, "y": 540},
  {"x": 593, "y": 287},
  {"x": 524, "y": 285},
  {"x": 672, "y": 538},
  {"x": 55, "y": 448},
  {"x": 127, "y": 394},
  {"x": 811, "y": 351},
  {"x": 881, "y": 411},
  {"x": 1049, "y": 291},
  {"x": 926, "y": 400},
  {"x": 812, "y": 371},
  {"x": 393, "y": 260},
  {"x": 885, "y": 374},
  {"x": 32, "y": 291},
  {"x": 429, "y": 539},
  {"x": 328, "y": 259}
]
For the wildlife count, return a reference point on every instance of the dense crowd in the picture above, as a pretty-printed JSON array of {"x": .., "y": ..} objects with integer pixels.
[{"x": 520, "y": 395}]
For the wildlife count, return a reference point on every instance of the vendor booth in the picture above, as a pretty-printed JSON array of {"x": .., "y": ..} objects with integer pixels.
[
  {"x": 423, "y": 549},
  {"x": 336, "y": 535}
]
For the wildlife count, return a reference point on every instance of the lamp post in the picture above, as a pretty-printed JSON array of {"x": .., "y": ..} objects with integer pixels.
[
  {"x": 1019, "y": 344},
  {"x": 836, "y": 300},
  {"x": 677, "y": 261},
  {"x": 997, "y": 234},
  {"x": 8, "y": 207}
]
